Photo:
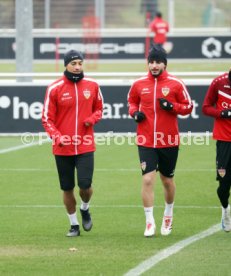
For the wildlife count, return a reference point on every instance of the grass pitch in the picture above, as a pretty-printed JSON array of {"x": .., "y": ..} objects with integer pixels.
[
  {"x": 139, "y": 66},
  {"x": 34, "y": 222}
]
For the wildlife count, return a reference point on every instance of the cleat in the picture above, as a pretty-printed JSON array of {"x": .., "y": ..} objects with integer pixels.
[
  {"x": 74, "y": 231},
  {"x": 166, "y": 227},
  {"x": 150, "y": 230},
  {"x": 86, "y": 220},
  {"x": 226, "y": 219}
]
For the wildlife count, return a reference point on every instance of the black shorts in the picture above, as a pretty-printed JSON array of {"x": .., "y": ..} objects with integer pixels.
[
  {"x": 223, "y": 160},
  {"x": 66, "y": 165},
  {"x": 161, "y": 159}
]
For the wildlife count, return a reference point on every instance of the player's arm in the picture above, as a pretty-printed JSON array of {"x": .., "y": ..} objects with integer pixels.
[
  {"x": 134, "y": 104},
  {"x": 49, "y": 115},
  {"x": 182, "y": 105},
  {"x": 133, "y": 100},
  {"x": 209, "y": 104},
  {"x": 97, "y": 109}
]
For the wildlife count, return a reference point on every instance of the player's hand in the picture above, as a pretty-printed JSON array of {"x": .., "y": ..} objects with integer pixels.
[
  {"x": 164, "y": 104},
  {"x": 60, "y": 141},
  {"x": 139, "y": 116},
  {"x": 88, "y": 122},
  {"x": 226, "y": 113}
]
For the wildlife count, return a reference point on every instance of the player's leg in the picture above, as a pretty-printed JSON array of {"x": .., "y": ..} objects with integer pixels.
[
  {"x": 223, "y": 192},
  {"x": 66, "y": 167},
  {"x": 148, "y": 162},
  {"x": 85, "y": 168},
  {"x": 223, "y": 163},
  {"x": 147, "y": 194},
  {"x": 167, "y": 163},
  {"x": 169, "y": 191}
]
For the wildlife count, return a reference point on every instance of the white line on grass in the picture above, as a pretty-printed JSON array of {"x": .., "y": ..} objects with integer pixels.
[
  {"x": 26, "y": 170},
  {"x": 109, "y": 206},
  {"x": 167, "y": 252},
  {"x": 100, "y": 170},
  {"x": 21, "y": 147},
  {"x": 138, "y": 169}
]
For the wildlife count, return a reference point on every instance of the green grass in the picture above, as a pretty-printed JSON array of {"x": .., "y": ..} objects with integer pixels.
[
  {"x": 125, "y": 67},
  {"x": 34, "y": 222},
  {"x": 201, "y": 258}
]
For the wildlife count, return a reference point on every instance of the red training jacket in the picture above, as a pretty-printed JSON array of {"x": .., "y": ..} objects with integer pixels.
[
  {"x": 160, "y": 127},
  {"x": 160, "y": 27},
  {"x": 218, "y": 98},
  {"x": 67, "y": 107}
]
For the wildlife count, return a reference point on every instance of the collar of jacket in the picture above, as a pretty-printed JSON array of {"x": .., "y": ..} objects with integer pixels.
[
  {"x": 73, "y": 77},
  {"x": 160, "y": 77}
]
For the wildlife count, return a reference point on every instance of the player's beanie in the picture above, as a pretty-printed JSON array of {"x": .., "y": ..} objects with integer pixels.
[
  {"x": 71, "y": 55},
  {"x": 157, "y": 53}
]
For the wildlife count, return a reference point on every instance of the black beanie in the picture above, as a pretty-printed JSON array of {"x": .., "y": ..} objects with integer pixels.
[
  {"x": 157, "y": 53},
  {"x": 71, "y": 55}
]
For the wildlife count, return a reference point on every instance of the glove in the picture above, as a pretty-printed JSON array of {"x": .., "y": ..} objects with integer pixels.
[
  {"x": 226, "y": 114},
  {"x": 166, "y": 105},
  {"x": 139, "y": 116}
]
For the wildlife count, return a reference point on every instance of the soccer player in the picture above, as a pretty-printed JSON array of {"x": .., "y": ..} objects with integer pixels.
[
  {"x": 154, "y": 102},
  {"x": 73, "y": 104},
  {"x": 217, "y": 104},
  {"x": 160, "y": 28}
]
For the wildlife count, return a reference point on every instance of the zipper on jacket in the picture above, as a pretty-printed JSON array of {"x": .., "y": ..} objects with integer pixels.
[
  {"x": 155, "y": 114},
  {"x": 76, "y": 117}
]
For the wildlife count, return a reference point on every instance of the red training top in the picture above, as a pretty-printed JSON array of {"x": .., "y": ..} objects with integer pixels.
[
  {"x": 218, "y": 98},
  {"x": 160, "y": 127},
  {"x": 160, "y": 27},
  {"x": 67, "y": 107}
]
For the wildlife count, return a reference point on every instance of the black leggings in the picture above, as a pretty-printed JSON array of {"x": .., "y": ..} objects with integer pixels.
[{"x": 223, "y": 192}]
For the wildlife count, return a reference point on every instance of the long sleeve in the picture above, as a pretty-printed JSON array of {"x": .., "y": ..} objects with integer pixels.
[
  {"x": 133, "y": 100},
  {"x": 184, "y": 104},
  {"x": 49, "y": 114},
  {"x": 209, "y": 104},
  {"x": 97, "y": 108}
]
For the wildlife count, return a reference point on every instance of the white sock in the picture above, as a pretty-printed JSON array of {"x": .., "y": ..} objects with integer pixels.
[
  {"x": 84, "y": 205},
  {"x": 73, "y": 219},
  {"x": 168, "y": 209},
  {"x": 227, "y": 209},
  {"x": 148, "y": 211}
]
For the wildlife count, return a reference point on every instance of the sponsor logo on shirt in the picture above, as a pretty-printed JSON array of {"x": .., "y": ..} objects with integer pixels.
[
  {"x": 145, "y": 91},
  {"x": 66, "y": 96}
]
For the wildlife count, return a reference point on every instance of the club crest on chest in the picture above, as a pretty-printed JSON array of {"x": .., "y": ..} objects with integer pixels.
[
  {"x": 87, "y": 93},
  {"x": 165, "y": 91}
]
